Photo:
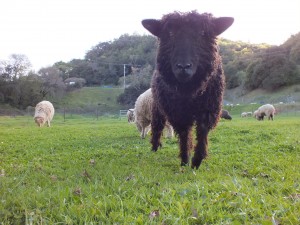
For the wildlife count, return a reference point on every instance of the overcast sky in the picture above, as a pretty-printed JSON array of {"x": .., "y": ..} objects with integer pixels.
[{"x": 48, "y": 31}]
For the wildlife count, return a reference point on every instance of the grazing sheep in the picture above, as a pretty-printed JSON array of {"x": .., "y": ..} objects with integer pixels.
[
  {"x": 142, "y": 112},
  {"x": 225, "y": 115},
  {"x": 249, "y": 114},
  {"x": 44, "y": 112},
  {"x": 255, "y": 114},
  {"x": 130, "y": 115},
  {"x": 265, "y": 110},
  {"x": 188, "y": 83},
  {"x": 244, "y": 114}
]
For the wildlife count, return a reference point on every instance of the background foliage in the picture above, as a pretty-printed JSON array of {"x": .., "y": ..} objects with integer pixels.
[{"x": 247, "y": 66}]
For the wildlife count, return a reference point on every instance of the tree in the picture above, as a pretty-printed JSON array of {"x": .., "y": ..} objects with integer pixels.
[
  {"x": 17, "y": 66},
  {"x": 52, "y": 83},
  {"x": 271, "y": 69},
  {"x": 64, "y": 69},
  {"x": 16, "y": 87},
  {"x": 30, "y": 93},
  {"x": 106, "y": 60}
]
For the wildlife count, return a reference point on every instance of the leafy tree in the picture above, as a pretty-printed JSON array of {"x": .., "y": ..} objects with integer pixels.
[
  {"x": 17, "y": 86},
  {"x": 52, "y": 83},
  {"x": 17, "y": 66},
  {"x": 235, "y": 80},
  {"x": 30, "y": 94},
  {"x": 84, "y": 69},
  {"x": 22, "y": 92},
  {"x": 107, "y": 59},
  {"x": 64, "y": 69},
  {"x": 272, "y": 69}
]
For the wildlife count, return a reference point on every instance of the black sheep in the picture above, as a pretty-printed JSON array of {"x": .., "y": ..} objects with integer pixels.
[
  {"x": 225, "y": 115},
  {"x": 188, "y": 83}
]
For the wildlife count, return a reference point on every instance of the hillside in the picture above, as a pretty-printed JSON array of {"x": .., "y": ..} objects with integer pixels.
[
  {"x": 86, "y": 100},
  {"x": 252, "y": 72},
  {"x": 90, "y": 99},
  {"x": 285, "y": 95}
]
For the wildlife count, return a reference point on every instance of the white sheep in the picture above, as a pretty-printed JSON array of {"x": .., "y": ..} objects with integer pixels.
[
  {"x": 264, "y": 110},
  {"x": 255, "y": 114},
  {"x": 130, "y": 115},
  {"x": 249, "y": 114},
  {"x": 244, "y": 114},
  {"x": 44, "y": 112},
  {"x": 142, "y": 114}
]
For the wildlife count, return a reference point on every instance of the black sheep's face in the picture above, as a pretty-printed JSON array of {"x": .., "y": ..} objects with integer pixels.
[{"x": 187, "y": 41}]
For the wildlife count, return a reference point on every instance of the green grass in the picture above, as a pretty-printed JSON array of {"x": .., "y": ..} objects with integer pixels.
[{"x": 86, "y": 171}]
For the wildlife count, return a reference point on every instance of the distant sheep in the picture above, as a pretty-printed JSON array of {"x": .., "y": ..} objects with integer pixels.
[
  {"x": 246, "y": 114},
  {"x": 143, "y": 116},
  {"x": 225, "y": 115},
  {"x": 44, "y": 112},
  {"x": 265, "y": 110},
  {"x": 130, "y": 115},
  {"x": 188, "y": 82}
]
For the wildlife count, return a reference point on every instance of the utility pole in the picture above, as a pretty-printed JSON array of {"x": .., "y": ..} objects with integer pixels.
[{"x": 124, "y": 76}]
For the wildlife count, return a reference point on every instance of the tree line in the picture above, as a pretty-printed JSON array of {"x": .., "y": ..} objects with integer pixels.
[{"x": 246, "y": 65}]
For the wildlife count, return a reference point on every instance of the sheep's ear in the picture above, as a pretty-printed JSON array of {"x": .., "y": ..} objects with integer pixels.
[
  {"x": 153, "y": 26},
  {"x": 222, "y": 23}
]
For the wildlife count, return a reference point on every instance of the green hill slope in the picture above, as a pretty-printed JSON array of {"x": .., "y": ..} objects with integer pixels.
[
  {"x": 97, "y": 100},
  {"x": 285, "y": 95},
  {"x": 91, "y": 99}
]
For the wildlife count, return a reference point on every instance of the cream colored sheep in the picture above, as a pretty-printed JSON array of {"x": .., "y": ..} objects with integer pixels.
[
  {"x": 249, "y": 114},
  {"x": 246, "y": 114},
  {"x": 243, "y": 114},
  {"x": 142, "y": 114},
  {"x": 265, "y": 110},
  {"x": 44, "y": 112}
]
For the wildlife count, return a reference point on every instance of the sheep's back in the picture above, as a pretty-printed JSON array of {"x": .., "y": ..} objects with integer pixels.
[
  {"x": 268, "y": 109},
  {"x": 143, "y": 108},
  {"x": 44, "y": 109}
]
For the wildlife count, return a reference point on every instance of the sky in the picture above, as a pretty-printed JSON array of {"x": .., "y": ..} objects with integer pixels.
[{"x": 48, "y": 31}]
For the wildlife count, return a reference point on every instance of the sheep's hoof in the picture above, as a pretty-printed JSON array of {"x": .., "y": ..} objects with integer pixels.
[
  {"x": 184, "y": 164},
  {"x": 196, "y": 163},
  {"x": 154, "y": 149}
]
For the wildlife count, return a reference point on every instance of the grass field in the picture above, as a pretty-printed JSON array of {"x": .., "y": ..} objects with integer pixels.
[{"x": 87, "y": 171}]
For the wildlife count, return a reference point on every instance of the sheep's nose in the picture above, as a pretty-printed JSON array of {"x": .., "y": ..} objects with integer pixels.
[{"x": 185, "y": 66}]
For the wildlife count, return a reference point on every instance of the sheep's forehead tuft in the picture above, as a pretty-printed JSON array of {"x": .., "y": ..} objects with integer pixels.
[{"x": 193, "y": 19}]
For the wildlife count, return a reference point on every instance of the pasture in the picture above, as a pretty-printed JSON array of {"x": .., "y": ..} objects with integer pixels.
[{"x": 88, "y": 171}]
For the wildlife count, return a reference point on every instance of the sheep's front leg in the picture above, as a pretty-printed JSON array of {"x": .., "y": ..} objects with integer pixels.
[
  {"x": 157, "y": 126},
  {"x": 202, "y": 143},
  {"x": 139, "y": 127},
  {"x": 48, "y": 123},
  {"x": 170, "y": 131},
  {"x": 186, "y": 144},
  {"x": 144, "y": 132}
]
